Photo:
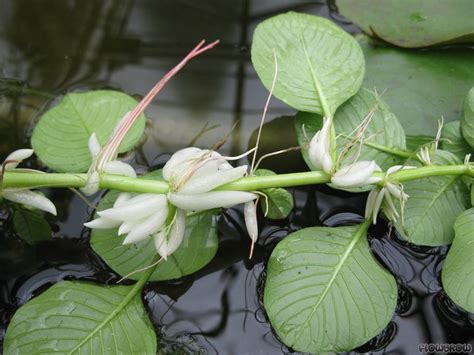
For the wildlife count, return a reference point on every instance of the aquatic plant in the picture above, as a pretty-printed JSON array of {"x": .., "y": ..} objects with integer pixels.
[{"x": 324, "y": 290}]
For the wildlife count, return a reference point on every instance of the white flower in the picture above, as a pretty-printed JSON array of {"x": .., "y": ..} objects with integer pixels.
[
  {"x": 383, "y": 197},
  {"x": 356, "y": 174},
  {"x": 319, "y": 151},
  {"x": 23, "y": 196},
  {"x": 250, "y": 215},
  {"x": 102, "y": 161}
]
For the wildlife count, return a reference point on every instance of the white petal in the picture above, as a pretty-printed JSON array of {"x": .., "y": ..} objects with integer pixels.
[
  {"x": 353, "y": 175},
  {"x": 396, "y": 168},
  {"x": 158, "y": 239},
  {"x": 122, "y": 198},
  {"x": 132, "y": 211},
  {"x": 92, "y": 184},
  {"x": 118, "y": 167},
  {"x": 250, "y": 215},
  {"x": 179, "y": 157},
  {"x": 197, "y": 184},
  {"x": 319, "y": 148},
  {"x": 178, "y": 229},
  {"x": 126, "y": 227},
  {"x": 210, "y": 200},
  {"x": 377, "y": 204},
  {"x": 102, "y": 223},
  {"x": 369, "y": 205},
  {"x": 150, "y": 226},
  {"x": 17, "y": 157},
  {"x": 390, "y": 204},
  {"x": 94, "y": 145},
  {"x": 30, "y": 198}
]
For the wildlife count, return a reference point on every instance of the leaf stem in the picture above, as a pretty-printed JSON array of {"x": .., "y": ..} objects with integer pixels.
[{"x": 13, "y": 179}]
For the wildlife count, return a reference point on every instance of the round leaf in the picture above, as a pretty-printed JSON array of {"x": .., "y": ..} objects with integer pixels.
[
  {"x": 408, "y": 23},
  {"x": 433, "y": 205},
  {"x": 31, "y": 226},
  {"x": 467, "y": 123},
  {"x": 317, "y": 61},
  {"x": 383, "y": 131},
  {"x": 326, "y": 292},
  {"x": 197, "y": 249},
  {"x": 459, "y": 265},
  {"x": 82, "y": 318},
  {"x": 60, "y": 139},
  {"x": 453, "y": 140}
]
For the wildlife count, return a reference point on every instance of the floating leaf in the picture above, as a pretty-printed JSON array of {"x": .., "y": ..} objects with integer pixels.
[
  {"x": 83, "y": 318},
  {"x": 31, "y": 226},
  {"x": 408, "y": 23},
  {"x": 419, "y": 86},
  {"x": 60, "y": 139},
  {"x": 278, "y": 203},
  {"x": 453, "y": 140},
  {"x": 325, "y": 291},
  {"x": 382, "y": 134},
  {"x": 197, "y": 249},
  {"x": 318, "y": 62},
  {"x": 467, "y": 123},
  {"x": 458, "y": 268},
  {"x": 433, "y": 205}
]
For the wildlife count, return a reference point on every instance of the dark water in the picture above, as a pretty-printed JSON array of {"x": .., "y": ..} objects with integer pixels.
[{"x": 48, "y": 48}]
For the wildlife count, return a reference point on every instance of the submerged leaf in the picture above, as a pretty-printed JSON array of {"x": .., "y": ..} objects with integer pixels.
[
  {"x": 458, "y": 269},
  {"x": 31, "y": 226},
  {"x": 61, "y": 137},
  {"x": 77, "y": 317},
  {"x": 433, "y": 205},
  {"x": 408, "y": 23},
  {"x": 325, "y": 291},
  {"x": 318, "y": 62}
]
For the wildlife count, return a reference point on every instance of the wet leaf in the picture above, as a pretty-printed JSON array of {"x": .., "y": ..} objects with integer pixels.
[
  {"x": 419, "y": 86},
  {"x": 459, "y": 265},
  {"x": 325, "y": 291},
  {"x": 408, "y": 23},
  {"x": 433, "y": 205},
  {"x": 60, "y": 139},
  {"x": 197, "y": 249},
  {"x": 317, "y": 61},
  {"x": 383, "y": 131},
  {"x": 467, "y": 123},
  {"x": 76, "y": 317},
  {"x": 279, "y": 202},
  {"x": 31, "y": 226},
  {"x": 453, "y": 141}
]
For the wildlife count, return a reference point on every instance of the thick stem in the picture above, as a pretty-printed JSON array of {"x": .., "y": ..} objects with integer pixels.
[{"x": 14, "y": 179}]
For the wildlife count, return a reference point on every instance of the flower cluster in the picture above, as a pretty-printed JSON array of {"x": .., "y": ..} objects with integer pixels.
[
  {"x": 23, "y": 196},
  {"x": 192, "y": 175}
]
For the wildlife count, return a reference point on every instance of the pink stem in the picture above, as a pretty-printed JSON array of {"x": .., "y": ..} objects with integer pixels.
[{"x": 113, "y": 144}]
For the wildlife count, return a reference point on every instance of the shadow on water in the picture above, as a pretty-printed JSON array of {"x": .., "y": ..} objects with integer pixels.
[{"x": 52, "y": 47}]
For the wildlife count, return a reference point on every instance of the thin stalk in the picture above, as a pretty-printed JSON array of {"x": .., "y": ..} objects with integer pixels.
[{"x": 14, "y": 179}]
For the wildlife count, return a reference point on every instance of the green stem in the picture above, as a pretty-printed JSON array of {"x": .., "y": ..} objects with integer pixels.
[{"x": 14, "y": 179}]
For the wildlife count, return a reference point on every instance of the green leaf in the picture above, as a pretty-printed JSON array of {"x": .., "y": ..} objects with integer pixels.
[
  {"x": 197, "y": 250},
  {"x": 408, "y": 23},
  {"x": 467, "y": 123},
  {"x": 433, "y": 205},
  {"x": 384, "y": 132},
  {"x": 60, "y": 139},
  {"x": 419, "y": 86},
  {"x": 318, "y": 63},
  {"x": 83, "y": 318},
  {"x": 458, "y": 267},
  {"x": 31, "y": 226},
  {"x": 325, "y": 291},
  {"x": 453, "y": 140},
  {"x": 279, "y": 202}
]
